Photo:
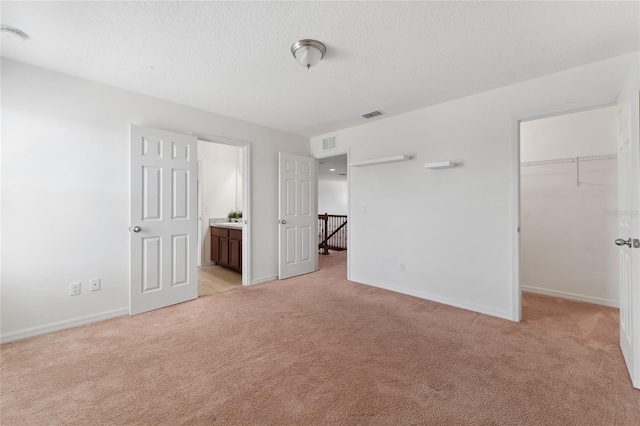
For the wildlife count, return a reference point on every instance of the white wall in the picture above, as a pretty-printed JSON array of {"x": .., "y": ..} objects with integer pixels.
[
  {"x": 65, "y": 192},
  {"x": 219, "y": 168},
  {"x": 591, "y": 132},
  {"x": 566, "y": 238},
  {"x": 332, "y": 196},
  {"x": 456, "y": 227}
]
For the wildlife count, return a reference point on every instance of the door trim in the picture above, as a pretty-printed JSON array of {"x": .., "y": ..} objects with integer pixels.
[
  {"x": 199, "y": 189},
  {"x": 516, "y": 285},
  {"x": 349, "y": 227},
  {"x": 246, "y": 197}
]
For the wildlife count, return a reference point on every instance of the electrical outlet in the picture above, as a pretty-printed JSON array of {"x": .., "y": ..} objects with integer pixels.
[
  {"x": 94, "y": 284},
  {"x": 74, "y": 289},
  {"x": 402, "y": 266}
]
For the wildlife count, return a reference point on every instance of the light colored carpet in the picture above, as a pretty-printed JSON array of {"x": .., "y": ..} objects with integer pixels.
[{"x": 320, "y": 350}]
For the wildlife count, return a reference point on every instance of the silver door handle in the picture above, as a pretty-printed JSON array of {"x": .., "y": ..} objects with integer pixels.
[
  {"x": 283, "y": 222},
  {"x": 620, "y": 242},
  {"x": 137, "y": 229}
]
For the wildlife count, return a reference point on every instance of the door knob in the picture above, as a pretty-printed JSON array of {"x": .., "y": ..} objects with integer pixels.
[
  {"x": 138, "y": 229},
  {"x": 620, "y": 242},
  {"x": 284, "y": 222}
]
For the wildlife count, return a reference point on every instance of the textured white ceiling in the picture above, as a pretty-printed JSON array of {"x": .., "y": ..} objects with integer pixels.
[{"x": 233, "y": 58}]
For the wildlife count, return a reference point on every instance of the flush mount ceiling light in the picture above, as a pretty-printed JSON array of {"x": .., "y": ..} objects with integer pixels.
[
  {"x": 308, "y": 52},
  {"x": 13, "y": 33}
]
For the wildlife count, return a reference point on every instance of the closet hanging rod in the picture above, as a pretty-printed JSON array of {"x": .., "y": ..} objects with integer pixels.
[{"x": 569, "y": 160}]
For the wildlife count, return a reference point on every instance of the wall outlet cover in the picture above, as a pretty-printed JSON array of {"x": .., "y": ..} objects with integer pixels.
[
  {"x": 74, "y": 289},
  {"x": 94, "y": 284}
]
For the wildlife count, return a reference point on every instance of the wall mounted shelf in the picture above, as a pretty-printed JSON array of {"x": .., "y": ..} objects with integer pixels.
[
  {"x": 440, "y": 165},
  {"x": 391, "y": 159}
]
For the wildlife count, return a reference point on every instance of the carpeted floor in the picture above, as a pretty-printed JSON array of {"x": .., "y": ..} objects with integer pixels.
[{"x": 320, "y": 350}]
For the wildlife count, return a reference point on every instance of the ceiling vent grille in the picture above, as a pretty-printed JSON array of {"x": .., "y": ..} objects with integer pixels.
[
  {"x": 371, "y": 114},
  {"x": 329, "y": 143}
]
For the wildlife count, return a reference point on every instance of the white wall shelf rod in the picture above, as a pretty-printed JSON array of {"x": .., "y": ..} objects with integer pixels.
[
  {"x": 576, "y": 160},
  {"x": 391, "y": 159},
  {"x": 569, "y": 160}
]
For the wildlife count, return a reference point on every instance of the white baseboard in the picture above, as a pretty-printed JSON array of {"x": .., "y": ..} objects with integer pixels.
[
  {"x": 572, "y": 296},
  {"x": 263, "y": 280},
  {"x": 61, "y": 325},
  {"x": 445, "y": 301}
]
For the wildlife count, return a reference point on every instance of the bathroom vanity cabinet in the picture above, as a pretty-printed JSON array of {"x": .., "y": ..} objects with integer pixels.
[{"x": 226, "y": 247}]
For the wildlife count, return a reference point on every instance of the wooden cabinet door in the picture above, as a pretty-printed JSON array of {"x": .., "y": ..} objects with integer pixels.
[
  {"x": 215, "y": 249},
  {"x": 224, "y": 251},
  {"x": 235, "y": 253}
]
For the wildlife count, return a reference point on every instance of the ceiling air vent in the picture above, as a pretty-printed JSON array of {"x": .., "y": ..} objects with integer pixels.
[
  {"x": 329, "y": 143},
  {"x": 371, "y": 114}
]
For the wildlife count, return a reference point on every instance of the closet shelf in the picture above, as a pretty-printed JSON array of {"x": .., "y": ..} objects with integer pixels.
[
  {"x": 576, "y": 160},
  {"x": 569, "y": 160}
]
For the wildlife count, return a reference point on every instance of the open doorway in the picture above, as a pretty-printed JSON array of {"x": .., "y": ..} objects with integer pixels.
[
  {"x": 333, "y": 208},
  {"x": 221, "y": 221},
  {"x": 568, "y": 191}
]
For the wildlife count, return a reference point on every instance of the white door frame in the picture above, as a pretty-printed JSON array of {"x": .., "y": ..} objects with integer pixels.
[
  {"x": 516, "y": 290},
  {"x": 246, "y": 197},
  {"x": 199, "y": 189},
  {"x": 320, "y": 156}
]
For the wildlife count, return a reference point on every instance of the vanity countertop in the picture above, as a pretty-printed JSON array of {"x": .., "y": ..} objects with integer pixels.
[{"x": 228, "y": 225}]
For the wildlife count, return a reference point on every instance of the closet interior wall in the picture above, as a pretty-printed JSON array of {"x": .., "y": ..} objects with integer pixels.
[{"x": 568, "y": 205}]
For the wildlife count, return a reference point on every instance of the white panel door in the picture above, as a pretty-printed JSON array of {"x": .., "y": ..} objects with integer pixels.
[
  {"x": 163, "y": 231},
  {"x": 298, "y": 240},
  {"x": 629, "y": 223}
]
